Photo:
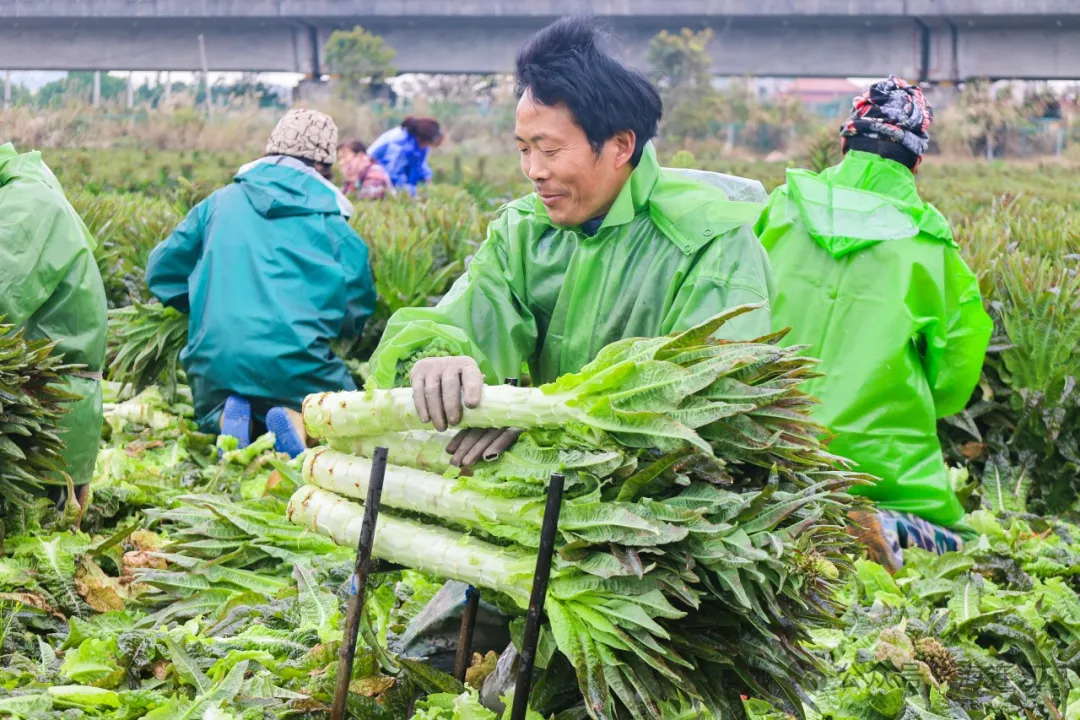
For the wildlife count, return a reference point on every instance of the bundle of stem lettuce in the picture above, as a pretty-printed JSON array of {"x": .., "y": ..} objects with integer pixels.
[
  {"x": 145, "y": 341},
  {"x": 32, "y": 399},
  {"x": 649, "y": 393},
  {"x": 726, "y": 505}
]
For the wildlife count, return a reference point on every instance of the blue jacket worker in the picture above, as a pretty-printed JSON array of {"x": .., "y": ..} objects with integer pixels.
[{"x": 403, "y": 151}]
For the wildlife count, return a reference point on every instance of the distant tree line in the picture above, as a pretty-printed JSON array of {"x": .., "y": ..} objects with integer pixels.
[{"x": 78, "y": 87}]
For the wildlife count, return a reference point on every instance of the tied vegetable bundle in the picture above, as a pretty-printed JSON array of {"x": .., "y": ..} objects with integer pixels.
[
  {"x": 701, "y": 537},
  {"x": 145, "y": 341},
  {"x": 32, "y": 400}
]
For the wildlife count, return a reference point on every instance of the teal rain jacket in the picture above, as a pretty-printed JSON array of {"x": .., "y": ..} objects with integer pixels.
[
  {"x": 271, "y": 273},
  {"x": 49, "y": 284},
  {"x": 671, "y": 252},
  {"x": 869, "y": 276}
]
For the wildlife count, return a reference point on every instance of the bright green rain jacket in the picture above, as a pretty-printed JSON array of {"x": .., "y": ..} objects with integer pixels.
[
  {"x": 869, "y": 276},
  {"x": 270, "y": 273},
  {"x": 670, "y": 253},
  {"x": 49, "y": 284}
]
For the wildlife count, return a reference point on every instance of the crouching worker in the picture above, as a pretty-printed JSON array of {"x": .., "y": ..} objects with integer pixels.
[
  {"x": 870, "y": 277},
  {"x": 270, "y": 272}
]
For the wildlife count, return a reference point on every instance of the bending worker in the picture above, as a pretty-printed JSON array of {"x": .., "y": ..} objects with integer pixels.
[
  {"x": 403, "y": 151},
  {"x": 271, "y": 273},
  {"x": 609, "y": 246},
  {"x": 51, "y": 287},
  {"x": 870, "y": 277}
]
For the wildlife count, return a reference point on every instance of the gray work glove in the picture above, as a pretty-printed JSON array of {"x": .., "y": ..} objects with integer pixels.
[
  {"x": 475, "y": 444},
  {"x": 442, "y": 387},
  {"x": 441, "y": 384}
]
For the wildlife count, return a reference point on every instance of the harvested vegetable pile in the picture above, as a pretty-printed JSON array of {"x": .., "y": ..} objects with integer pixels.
[
  {"x": 990, "y": 632},
  {"x": 701, "y": 541},
  {"x": 187, "y": 594}
]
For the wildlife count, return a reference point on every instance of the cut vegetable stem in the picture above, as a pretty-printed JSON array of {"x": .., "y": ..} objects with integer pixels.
[
  {"x": 421, "y": 547},
  {"x": 416, "y": 490},
  {"x": 420, "y": 449},
  {"x": 370, "y": 412}
]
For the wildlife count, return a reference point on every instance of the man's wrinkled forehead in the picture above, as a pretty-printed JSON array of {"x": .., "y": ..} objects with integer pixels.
[
  {"x": 534, "y": 138},
  {"x": 537, "y": 122}
]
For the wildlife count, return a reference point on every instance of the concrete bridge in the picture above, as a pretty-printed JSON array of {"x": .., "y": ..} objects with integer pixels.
[{"x": 931, "y": 40}]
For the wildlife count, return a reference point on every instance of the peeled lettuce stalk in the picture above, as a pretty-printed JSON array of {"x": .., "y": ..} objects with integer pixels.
[
  {"x": 585, "y": 519},
  {"x": 421, "y": 449},
  {"x": 421, "y": 547},
  {"x": 597, "y": 618},
  {"x": 642, "y": 390},
  {"x": 535, "y": 456}
]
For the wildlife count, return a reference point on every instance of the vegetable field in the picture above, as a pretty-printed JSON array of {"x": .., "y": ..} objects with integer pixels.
[{"x": 700, "y": 572}]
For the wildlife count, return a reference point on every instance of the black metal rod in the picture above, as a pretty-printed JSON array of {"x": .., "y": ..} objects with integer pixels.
[
  {"x": 523, "y": 684},
  {"x": 359, "y": 583},
  {"x": 468, "y": 615},
  {"x": 468, "y": 624}
]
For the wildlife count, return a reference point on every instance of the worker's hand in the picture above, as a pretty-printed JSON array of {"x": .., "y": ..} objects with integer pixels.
[
  {"x": 441, "y": 385},
  {"x": 475, "y": 444}
]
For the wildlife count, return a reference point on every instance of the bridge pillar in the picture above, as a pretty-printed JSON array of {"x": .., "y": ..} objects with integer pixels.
[
  {"x": 130, "y": 90},
  {"x": 313, "y": 40},
  {"x": 7, "y": 89},
  {"x": 97, "y": 88}
]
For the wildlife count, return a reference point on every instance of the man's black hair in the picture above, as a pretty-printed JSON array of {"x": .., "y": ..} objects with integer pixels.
[
  {"x": 885, "y": 148},
  {"x": 566, "y": 63}
]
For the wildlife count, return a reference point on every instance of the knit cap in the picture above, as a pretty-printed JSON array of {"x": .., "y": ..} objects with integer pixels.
[{"x": 307, "y": 134}]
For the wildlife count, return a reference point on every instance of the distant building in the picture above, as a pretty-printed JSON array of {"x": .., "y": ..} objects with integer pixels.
[
  {"x": 827, "y": 97},
  {"x": 820, "y": 91}
]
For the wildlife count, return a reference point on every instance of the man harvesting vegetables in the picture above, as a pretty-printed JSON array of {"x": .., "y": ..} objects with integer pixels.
[
  {"x": 870, "y": 277},
  {"x": 609, "y": 246},
  {"x": 50, "y": 285},
  {"x": 271, "y": 273}
]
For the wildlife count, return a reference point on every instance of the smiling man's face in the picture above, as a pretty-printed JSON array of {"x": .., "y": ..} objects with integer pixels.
[{"x": 574, "y": 183}]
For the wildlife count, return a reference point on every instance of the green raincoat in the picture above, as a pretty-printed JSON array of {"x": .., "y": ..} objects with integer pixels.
[
  {"x": 49, "y": 284},
  {"x": 670, "y": 253},
  {"x": 869, "y": 276}
]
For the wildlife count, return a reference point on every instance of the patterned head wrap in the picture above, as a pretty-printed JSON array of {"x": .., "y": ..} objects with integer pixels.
[
  {"x": 307, "y": 134},
  {"x": 892, "y": 110}
]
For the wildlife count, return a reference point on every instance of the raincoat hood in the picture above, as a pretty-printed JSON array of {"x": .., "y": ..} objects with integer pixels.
[
  {"x": 13, "y": 165},
  {"x": 281, "y": 186},
  {"x": 30, "y": 166},
  {"x": 863, "y": 201}
]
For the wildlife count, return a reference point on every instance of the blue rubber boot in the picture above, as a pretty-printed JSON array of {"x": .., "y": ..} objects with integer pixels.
[
  {"x": 286, "y": 437},
  {"x": 236, "y": 420}
]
